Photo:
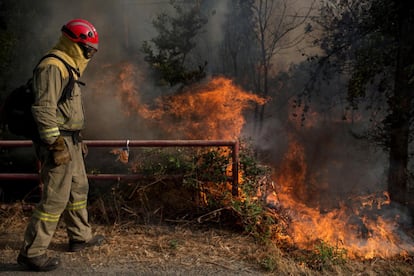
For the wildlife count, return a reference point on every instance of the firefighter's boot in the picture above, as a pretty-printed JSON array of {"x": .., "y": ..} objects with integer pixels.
[
  {"x": 75, "y": 246},
  {"x": 38, "y": 263}
]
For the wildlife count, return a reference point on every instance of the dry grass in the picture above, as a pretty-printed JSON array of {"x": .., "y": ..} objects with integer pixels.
[
  {"x": 190, "y": 246},
  {"x": 181, "y": 246}
]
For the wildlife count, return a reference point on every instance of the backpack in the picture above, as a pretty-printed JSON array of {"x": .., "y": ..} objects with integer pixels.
[{"x": 16, "y": 112}]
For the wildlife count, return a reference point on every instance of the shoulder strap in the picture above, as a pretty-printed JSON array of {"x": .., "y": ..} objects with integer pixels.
[
  {"x": 67, "y": 65},
  {"x": 67, "y": 91}
]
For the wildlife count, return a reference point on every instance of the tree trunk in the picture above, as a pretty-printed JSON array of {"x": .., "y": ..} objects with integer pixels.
[{"x": 400, "y": 104}]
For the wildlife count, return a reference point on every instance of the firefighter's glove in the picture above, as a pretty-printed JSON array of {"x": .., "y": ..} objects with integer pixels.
[{"x": 60, "y": 152}]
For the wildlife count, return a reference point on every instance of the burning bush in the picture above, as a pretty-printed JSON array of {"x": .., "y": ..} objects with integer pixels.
[{"x": 189, "y": 185}]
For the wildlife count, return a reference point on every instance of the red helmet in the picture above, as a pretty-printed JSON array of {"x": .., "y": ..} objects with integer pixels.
[{"x": 81, "y": 31}]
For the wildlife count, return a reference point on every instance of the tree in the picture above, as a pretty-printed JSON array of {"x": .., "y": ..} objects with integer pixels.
[
  {"x": 169, "y": 51},
  {"x": 276, "y": 24},
  {"x": 238, "y": 54},
  {"x": 371, "y": 42},
  {"x": 400, "y": 119}
]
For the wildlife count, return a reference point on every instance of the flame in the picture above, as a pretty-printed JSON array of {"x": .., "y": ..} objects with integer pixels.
[
  {"x": 206, "y": 111},
  {"x": 214, "y": 110},
  {"x": 356, "y": 226},
  {"x": 122, "y": 155},
  {"x": 211, "y": 110}
]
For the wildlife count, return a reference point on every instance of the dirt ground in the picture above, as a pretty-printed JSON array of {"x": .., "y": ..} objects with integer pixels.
[
  {"x": 133, "y": 249},
  {"x": 139, "y": 251},
  {"x": 142, "y": 250}
]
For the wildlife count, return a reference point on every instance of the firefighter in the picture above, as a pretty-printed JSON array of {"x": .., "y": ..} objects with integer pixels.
[{"x": 60, "y": 150}]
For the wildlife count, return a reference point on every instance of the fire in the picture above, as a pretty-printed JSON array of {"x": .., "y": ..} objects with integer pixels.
[
  {"x": 214, "y": 110},
  {"x": 206, "y": 111},
  {"x": 210, "y": 110},
  {"x": 356, "y": 226}
]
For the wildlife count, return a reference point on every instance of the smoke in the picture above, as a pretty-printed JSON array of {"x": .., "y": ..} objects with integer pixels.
[
  {"x": 123, "y": 26},
  {"x": 335, "y": 167}
]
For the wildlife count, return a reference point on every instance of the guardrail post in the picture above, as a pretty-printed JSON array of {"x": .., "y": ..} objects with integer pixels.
[{"x": 235, "y": 169}]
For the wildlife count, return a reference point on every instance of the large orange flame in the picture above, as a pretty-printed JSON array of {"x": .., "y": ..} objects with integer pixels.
[
  {"x": 210, "y": 110},
  {"x": 355, "y": 226},
  {"x": 213, "y": 110}
]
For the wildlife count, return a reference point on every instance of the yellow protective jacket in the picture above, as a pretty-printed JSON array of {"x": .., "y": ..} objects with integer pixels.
[{"x": 49, "y": 80}]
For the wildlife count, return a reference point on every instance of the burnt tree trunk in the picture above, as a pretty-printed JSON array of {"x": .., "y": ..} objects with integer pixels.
[{"x": 400, "y": 103}]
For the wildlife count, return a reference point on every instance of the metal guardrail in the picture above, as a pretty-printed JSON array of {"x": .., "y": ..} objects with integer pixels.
[{"x": 234, "y": 145}]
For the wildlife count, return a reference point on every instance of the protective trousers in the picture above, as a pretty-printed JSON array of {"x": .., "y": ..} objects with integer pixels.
[{"x": 65, "y": 192}]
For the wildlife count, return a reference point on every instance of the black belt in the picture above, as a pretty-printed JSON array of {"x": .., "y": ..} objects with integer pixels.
[{"x": 76, "y": 137}]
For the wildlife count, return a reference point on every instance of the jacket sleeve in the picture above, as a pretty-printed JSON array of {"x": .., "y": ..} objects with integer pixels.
[{"x": 48, "y": 88}]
